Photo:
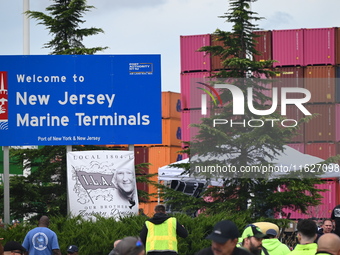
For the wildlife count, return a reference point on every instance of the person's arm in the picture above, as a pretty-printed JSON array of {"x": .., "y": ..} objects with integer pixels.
[
  {"x": 143, "y": 234},
  {"x": 181, "y": 231},
  {"x": 56, "y": 252}
]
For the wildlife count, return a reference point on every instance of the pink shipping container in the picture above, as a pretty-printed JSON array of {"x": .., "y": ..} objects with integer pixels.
[
  {"x": 337, "y": 123},
  {"x": 297, "y": 146},
  {"x": 321, "y": 150},
  {"x": 328, "y": 202},
  {"x": 187, "y": 118},
  {"x": 191, "y": 58},
  {"x": 190, "y": 94},
  {"x": 319, "y": 46},
  {"x": 288, "y": 47}
]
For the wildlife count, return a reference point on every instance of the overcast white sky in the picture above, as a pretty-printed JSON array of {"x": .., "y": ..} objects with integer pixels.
[{"x": 155, "y": 26}]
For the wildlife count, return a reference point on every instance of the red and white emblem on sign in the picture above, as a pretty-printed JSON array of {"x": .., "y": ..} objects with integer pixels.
[{"x": 3, "y": 101}]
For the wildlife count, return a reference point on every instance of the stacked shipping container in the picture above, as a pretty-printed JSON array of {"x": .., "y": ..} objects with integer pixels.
[
  {"x": 159, "y": 155},
  {"x": 308, "y": 58},
  {"x": 167, "y": 152}
]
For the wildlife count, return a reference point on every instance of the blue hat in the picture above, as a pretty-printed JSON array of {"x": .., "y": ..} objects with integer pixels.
[{"x": 271, "y": 232}]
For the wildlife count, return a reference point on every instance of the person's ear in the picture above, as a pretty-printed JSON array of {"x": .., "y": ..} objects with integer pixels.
[{"x": 298, "y": 236}]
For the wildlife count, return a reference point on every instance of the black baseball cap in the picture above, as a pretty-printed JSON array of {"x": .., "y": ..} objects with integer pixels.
[
  {"x": 72, "y": 249},
  {"x": 252, "y": 230},
  {"x": 13, "y": 246},
  {"x": 223, "y": 231}
]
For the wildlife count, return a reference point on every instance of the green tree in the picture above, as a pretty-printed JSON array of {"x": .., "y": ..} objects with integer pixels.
[
  {"x": 44, "y": 190},
  {"x": 241, "y": 145},
  {"x": 63, "y": 22}
]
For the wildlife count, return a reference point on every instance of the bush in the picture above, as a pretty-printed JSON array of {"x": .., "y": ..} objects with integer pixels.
[{"x": 97, "y": 237}]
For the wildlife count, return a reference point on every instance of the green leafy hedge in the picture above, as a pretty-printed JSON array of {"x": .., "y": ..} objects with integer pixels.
[{"x": 97, "y": 237}]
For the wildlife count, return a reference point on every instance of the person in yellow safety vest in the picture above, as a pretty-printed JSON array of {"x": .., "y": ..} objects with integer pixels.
[
  {"x": 159, "y": 233},
  {"x": 273, "y": 245},
  {"x": 306, "y": 234},
  {"x": 251, "y": 240}
]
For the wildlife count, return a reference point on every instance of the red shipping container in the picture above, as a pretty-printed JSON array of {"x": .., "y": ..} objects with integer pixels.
[
  {"x": 321, "y": 128},
  {"x": 289, "y": 77},
  {"x": 267, "y": 85},
  {"x": 321, "y": 83},
  {"x": 142, "y": 156},
  {"x": 321, "y": 150},
  {"x": 190, "y": 94},
  {"x": 263, "y": 45},
  {"x": 297, "y": 146},
  {"x": 216, "y": 62},
  {"x": 292, "y": 112},
  {"x": 288, "y": 47},
  {"x": 191, "y": 58},
  {"x": 319, "y": 46}
]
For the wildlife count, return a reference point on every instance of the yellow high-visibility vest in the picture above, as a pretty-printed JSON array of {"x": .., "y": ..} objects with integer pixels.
[{"x": 161, "y": 237}]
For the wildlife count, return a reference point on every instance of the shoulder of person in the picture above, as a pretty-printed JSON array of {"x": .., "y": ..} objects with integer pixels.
[
  {"x": 205, "y": 251},
  {"x": 240, "y": 251}
]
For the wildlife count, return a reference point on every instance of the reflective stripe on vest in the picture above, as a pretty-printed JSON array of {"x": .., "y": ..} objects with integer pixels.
[{"x": 161, "y": 237}]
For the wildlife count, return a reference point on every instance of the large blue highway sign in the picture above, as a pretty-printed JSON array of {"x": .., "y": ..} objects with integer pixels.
[{"x": 80, "y": 99}]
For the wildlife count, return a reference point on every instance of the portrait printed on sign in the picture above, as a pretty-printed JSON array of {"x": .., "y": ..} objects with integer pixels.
[{"x": 102, "y": 183}]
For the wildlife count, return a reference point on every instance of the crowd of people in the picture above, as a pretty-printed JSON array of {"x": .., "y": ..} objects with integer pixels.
[{"x": 160, "y": 232}]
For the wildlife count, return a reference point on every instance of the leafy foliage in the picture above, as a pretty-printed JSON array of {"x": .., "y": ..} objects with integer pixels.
[
  {"x": 44, "y": 190},
  {"x": 97, "y": 237},
  {"x": 63, "y": 22},
  {"x": 241, "y": 145}
]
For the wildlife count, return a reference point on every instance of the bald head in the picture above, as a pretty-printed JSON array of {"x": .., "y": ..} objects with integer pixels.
[
  {"x": 330, "y": 243},
  {"x": 44, "y": 221}
]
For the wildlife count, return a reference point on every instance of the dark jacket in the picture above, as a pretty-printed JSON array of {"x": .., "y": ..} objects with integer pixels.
[
  {"x": 159, "y": 218},
  {"x": 236, "y": 251}
]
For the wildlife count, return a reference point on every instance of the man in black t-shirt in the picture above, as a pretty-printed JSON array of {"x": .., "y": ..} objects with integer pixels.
[
  {"x": 336, "y": 217},
  {"x": 223, "y": 240}
]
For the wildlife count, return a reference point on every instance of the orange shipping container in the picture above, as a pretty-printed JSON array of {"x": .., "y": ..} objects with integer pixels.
[
  {"x": 171, "y": 133},
  {"x": 148, "y": 208},
  {"x": 171, "y": 105},
  {"x": 320, "y": 81},
  {"x": 161, "y": 156}
]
